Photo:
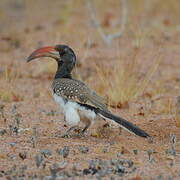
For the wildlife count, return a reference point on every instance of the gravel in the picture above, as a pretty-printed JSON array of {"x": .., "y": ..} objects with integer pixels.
[
  {"x": 3, "y": 132},
  {"x": 83, "y": 149},
  {"x": 23, "y": 155},
  {"x": 39, "y": 159},
  {"x": 46, "y": 152},
  {"x": 64, "y": 151},
  {"x": 97, "y": 169}
]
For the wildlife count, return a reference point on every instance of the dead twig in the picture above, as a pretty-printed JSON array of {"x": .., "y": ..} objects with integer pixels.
[{"x": 108, "y": 38}]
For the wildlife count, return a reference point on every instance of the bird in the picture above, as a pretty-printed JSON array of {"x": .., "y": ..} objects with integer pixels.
[{"x": 79, "y": 102}]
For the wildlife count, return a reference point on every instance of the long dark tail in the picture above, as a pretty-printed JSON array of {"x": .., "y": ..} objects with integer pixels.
[{"x": 123, "y": 123}]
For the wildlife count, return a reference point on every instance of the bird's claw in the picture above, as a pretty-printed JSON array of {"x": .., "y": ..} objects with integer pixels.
[
  {"x": 66, "y": 135},
  {"x": 77, "y": 133}
]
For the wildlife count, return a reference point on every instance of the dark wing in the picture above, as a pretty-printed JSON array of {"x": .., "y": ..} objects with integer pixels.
[{"x": 77, "y": 91}]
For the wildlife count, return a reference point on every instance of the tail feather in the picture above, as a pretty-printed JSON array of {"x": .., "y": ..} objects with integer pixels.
[{"x": 123, "y": 123}]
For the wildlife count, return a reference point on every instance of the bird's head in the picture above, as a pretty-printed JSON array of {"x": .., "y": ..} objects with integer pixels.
[{"x": 61, "y": 53}]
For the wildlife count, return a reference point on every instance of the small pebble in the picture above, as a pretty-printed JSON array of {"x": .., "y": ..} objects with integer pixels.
[
  {"x": 119, "y": 154},
  {"x": 120, "y": 169},
  {"x": 135, "y": 151},
  {"x": 39, "y": 159},
  {"x": 51, "y": 113},
  {"x": 83, "y": 149},
  {"x": 54, "y": 169},
  {"x": 102, "y": 172},
  {"x": 129, "y": 163},
  {"x": 64, "y": 152},
  {"x": 62, "y": 164},
  {"x": 46, "y": 152},
  {"x": 22, "y": 169},
  {"x": 113, "y": 161},
  {"x": 92, "y": 167},
  {"x": 23, "y": 155},
  {"x": 92, "y": 164},
  {"x": 76, "y": 171},
  {"x": 12, "y": 156},
  {"x": 3, "y": 132},
  {"x": 12, "y": 144},
  {"x": 133, "y": 170},
  {"x": 171, "y": 151},
  {"x": 86, "y": 171},
  {"x": 105, "y": 149}
]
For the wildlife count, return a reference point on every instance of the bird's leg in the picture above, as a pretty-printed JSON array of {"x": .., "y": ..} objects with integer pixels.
[
  {"x": 66, "y": 134},
  {"x": 85, "y": 128},
  {"x": 87, "y": 123}
]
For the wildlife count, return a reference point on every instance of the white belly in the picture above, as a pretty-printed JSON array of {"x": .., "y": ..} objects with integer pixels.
[{"x": 71, "y": 109}]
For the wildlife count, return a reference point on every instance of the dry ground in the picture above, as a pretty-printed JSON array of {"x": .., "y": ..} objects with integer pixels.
[{"x": 138, "y": 73}]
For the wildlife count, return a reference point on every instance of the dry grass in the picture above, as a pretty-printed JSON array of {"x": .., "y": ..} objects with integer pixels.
[
  {"x": 9, "y": 78},
  {"x": 125, "y": 81}
]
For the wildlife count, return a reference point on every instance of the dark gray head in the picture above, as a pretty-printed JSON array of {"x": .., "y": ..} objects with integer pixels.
[{"x": 61, "y": 53}]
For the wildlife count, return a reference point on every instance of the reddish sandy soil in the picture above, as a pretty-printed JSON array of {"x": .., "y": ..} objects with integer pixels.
[{"x": 153, "y": 37}]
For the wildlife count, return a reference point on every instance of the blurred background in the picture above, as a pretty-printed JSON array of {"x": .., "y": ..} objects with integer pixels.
[
  {"x": 70, "y": 21},
  {"x": 149, "y": 36}
]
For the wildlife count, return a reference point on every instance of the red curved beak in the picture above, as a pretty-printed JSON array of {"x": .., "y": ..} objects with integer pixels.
[{"x": 48, "y": 51}]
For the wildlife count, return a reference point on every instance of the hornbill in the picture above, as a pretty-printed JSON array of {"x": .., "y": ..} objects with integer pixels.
[{"x": 78, "y": 101}]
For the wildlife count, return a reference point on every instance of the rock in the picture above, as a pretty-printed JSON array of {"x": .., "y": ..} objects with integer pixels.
[
  {"x": 120, "y": 169},
  {"x": 12, "y": 144},
  {"x": 64, "y": 152},
  {"x": 83, "y": 149},
  {"x": 39, "y": 159},
  {"x": 135, "y": 151},
  {"x": 3, "y": 132},
  {"x": 23, "y": 155},
  {"x": 46, "y": 152}
]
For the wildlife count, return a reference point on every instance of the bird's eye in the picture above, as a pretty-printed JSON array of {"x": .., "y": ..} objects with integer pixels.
[
  {"x": 65, "y": 49},
  {"x": 62, "y": 53}
]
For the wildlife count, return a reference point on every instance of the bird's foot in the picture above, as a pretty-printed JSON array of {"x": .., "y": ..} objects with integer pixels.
[
  {"x": 77, "y": 132},
  {"x": 80, "y": 134},
  {"x": 65, "y": 135}
]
